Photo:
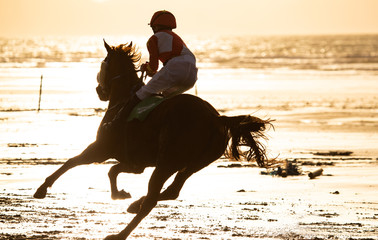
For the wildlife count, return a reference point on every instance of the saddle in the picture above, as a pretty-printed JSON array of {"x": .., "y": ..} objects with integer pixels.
[{"x": 143, "y": 109}]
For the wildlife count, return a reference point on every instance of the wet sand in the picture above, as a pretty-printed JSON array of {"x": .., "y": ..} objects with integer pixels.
[{"x": 216, "y": 203}]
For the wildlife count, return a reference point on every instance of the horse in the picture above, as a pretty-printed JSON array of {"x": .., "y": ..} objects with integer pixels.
[{"x": 182, "y": 135}]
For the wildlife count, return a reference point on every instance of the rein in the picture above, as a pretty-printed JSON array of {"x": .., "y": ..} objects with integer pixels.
[
  {"x": 102, "y": 73},
  {"x": 133, "y": 90},
  {"x": 142, "y": 77}
]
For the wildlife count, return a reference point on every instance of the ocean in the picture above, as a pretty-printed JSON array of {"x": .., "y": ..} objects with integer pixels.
[{"x": 328, "y": 82}]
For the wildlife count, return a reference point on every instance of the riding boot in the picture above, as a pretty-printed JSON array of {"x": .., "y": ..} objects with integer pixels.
[{"x": 121, "y": 116}]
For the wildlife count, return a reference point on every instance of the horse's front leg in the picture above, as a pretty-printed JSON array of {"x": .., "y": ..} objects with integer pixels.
[
  {"x": 155, "y": 185},
  {"x": 95, "y": 152},
  {"x": 113, "y": 173}
]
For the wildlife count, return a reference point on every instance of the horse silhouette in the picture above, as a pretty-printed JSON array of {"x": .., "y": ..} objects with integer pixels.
[{"x": 182, "y": 135}]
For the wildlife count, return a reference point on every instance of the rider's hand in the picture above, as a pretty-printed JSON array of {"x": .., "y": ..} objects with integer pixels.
[{"x": 143, "y": 67}]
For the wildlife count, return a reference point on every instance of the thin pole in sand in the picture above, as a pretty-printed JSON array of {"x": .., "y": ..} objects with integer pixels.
[{"x": 40, "y": 94}]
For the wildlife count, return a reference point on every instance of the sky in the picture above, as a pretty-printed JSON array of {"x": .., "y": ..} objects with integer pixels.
[{"x": 194, "y": 17}]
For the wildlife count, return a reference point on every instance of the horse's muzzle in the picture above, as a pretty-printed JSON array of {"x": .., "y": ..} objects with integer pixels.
[{"x": 102, "y": 95}]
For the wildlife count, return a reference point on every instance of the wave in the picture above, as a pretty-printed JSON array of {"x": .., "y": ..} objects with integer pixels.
[
  {"x": 329, "y": 52},
  {"x": 355, "y": 52}
]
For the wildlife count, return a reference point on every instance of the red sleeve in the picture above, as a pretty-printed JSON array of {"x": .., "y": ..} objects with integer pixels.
[{"x": 152, "y": 46}]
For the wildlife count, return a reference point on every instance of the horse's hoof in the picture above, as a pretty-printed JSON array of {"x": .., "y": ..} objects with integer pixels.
[
  {"x": 135, "y": 206},
  {"x": 120, "y": 195},
  {"x": 113, "y": 237},
  {"x": 40, "y": 193}
]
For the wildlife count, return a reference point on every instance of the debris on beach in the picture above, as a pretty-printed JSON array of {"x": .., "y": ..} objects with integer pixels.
[
  {"x": 11, "y": 145},
  {"x": 244, "y": 191},
  {"x": 333, "y": 153},
  {"x": 237, "y": 165},
  {"x": 291, "y": 168},
  {"x": 288, "y": 168},
  {"x": 315, "y": 173},
  {"x": 317, "y": 163}
]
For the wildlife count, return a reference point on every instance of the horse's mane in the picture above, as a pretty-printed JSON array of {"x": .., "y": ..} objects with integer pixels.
[{"x": 130, "y": 52}]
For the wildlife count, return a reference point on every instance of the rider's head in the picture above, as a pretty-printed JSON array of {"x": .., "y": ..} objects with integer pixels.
[{"x": 163, "y": 20}]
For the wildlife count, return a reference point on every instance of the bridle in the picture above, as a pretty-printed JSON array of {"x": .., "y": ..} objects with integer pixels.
[{"x": 105, "y": 85}]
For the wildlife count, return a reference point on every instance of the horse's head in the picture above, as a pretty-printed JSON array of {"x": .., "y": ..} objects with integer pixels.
[{"x": 118, "y": 70}]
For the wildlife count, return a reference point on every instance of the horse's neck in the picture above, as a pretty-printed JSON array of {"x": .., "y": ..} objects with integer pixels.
[{"x": 120, "y": 93}]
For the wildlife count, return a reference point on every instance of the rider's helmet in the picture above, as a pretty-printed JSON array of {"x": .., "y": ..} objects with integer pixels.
[{"x": 163, "y": 18}]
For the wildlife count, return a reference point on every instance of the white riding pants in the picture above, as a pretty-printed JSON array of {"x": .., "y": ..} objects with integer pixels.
[{"x": 176, "y": 77}]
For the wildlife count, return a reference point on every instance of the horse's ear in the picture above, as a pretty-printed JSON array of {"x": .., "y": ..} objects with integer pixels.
[
  {"x": 131, "y": 44},
  {"x": 108, "y": 48}
]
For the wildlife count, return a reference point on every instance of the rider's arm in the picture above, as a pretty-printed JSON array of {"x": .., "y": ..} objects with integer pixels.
[{"x": 153, "y": 64}]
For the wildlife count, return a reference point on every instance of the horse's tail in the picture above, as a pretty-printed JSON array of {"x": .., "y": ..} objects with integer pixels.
[{"x": 246, "y": 130}]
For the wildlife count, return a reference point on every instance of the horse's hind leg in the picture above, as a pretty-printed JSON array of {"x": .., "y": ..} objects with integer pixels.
[
  {"x": 113, "y": 173},
  {"x": 157, "y": 180},
  {"x": 171, "y": 193},
  {"x": 93, "y": 153}
]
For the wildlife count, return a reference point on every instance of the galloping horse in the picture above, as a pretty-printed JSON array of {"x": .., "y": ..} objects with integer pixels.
[{"x": 182, "y": 135}]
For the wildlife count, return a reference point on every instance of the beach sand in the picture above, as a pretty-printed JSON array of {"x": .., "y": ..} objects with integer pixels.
[{"x": 215, "y": 203}]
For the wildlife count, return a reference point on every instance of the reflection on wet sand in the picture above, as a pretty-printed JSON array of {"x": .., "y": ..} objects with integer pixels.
[{"x": 332, "y": 206}]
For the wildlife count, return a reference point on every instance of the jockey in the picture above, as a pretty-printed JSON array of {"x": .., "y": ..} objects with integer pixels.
[{"x": 179, "y": 72}]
